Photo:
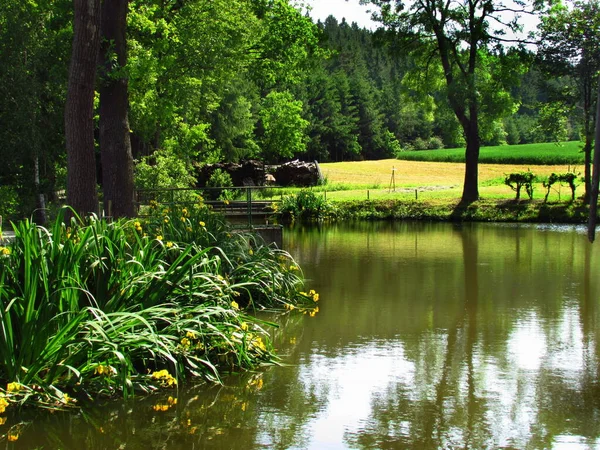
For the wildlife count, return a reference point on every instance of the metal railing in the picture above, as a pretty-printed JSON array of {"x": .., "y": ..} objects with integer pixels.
[{"x": 238, "y": 202}]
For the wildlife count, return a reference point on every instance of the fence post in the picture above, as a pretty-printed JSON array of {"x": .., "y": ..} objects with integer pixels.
[{"x": 249, "y": 204}]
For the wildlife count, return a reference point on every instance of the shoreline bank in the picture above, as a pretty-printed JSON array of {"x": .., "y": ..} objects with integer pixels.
[{"x": 485, "y": 210}]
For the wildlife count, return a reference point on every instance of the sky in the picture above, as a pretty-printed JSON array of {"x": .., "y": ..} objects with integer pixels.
[{"x": 351, "y": 10}]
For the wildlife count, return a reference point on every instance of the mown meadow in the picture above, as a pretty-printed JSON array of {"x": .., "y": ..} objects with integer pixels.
[
  {"x": 438, "y": 175},
  {"x": 429, "y": 187},
  {"x": 92, "y": 309}
]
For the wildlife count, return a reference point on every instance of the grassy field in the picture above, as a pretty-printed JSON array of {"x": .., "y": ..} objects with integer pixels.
[
  {"x": 428, "y": 180},
  {"x": 534, "y": 154}
]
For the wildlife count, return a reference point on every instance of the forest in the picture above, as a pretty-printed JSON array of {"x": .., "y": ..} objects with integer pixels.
[{"x": 175, "y": 84}]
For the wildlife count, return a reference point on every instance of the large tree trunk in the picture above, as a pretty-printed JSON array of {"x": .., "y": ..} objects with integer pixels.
[
  {"x": 588, "y": 128},
  {"x": 79, "y": 125},
  {"x": 471, "y": 184},
  {"x": 471, "y": 130},
  {"x": 595, "y": 176},
  {"x": 115, "y": 142}
]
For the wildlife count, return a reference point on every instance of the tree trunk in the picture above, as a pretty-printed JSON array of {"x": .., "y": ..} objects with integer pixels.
[
  {"x": 595, "y": 176},
  {"x": 471, "y": 184},
  {"x": 587, "y": 149},
  {"x": 115, "y": 142},
  {"x": 79, "y": 126}
]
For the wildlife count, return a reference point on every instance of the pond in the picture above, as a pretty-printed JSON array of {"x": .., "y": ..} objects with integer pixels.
[{"x": 429, "y": 335}]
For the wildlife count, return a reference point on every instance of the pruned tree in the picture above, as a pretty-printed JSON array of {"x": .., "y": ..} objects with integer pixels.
[{"x": 458, "y": 34}]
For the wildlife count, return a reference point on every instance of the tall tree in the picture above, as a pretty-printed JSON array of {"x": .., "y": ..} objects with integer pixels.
[
  {"x": 34, "y": 43},
  {"x": 455, "y": 32},
  {"x": 79, "y": 110},
  {"x": 115, "y": 144},
  {"x": 569, "y": 43}
]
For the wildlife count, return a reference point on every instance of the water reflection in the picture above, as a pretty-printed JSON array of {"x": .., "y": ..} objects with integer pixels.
[
  {"x": 429, "y": 336},
  {"x": 496, "y": 347}
]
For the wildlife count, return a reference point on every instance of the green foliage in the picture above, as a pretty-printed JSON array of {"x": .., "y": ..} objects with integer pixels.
[
  {"x": 232, "y": 125},
  {"x": 517, "y": 181},
  {"x": 9, "y": 206},
  {"x": 305, "y": 206},
  {"x": 552, "y": 121},
  {"x": 287, "y": 39},
  {"x": 182, "y": 58},
  {"x": 433, "y": 143},
  {"x": 94, "y": 308},
  {"x": 220, "y": 179},
  {"x": 283, "y": 125},
  {"x": 35, "y": 40},
  {"x": 164, "y": 170}
]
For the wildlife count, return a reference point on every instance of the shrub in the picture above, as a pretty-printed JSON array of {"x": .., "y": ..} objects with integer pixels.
[
  {"x": 432, "y": 143},
  {"x": 220, "y": 179},
  {"x": 420, "y": 144},
  {"x": 435, "y": 143},
  {"x": 164, "y": 171},
  {"x": 305, "y": 206}
]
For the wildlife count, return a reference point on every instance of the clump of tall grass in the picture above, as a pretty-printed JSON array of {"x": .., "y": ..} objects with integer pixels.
[{"x": 98, "y": 308}]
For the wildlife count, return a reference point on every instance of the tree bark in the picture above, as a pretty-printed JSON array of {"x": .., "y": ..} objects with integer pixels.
[
  {"x": 79, "y": 126},
  {"x": 588, "y": 127},
  {"x": 595, "y": 176},
  {"x": 115, "y": 142},
  {"x": 471, "y": 183}
]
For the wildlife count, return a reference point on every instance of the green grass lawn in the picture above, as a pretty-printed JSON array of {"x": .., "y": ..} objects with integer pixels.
[{"x": 539, "y": 154}]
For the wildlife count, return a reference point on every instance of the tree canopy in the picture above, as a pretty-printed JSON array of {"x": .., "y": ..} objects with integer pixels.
[{"x": 462, "y": 35}]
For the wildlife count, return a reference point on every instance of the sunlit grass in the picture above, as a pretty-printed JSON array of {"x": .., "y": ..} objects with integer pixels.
[{"x": 525, "y": 154}]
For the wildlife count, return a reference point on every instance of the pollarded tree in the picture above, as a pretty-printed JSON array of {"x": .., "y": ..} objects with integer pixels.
[
  {"x": 457, "y": 33},
  {"x": 569, "y": 43}
]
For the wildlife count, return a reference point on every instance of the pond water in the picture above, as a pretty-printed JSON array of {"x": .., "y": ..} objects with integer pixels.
[{"x": 429, "y": 336}]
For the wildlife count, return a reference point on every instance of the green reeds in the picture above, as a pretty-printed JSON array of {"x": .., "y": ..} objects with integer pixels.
[{"x": 94, "y": 308}]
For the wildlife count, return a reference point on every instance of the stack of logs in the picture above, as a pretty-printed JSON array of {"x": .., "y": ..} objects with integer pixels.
[{"x": 255, "y": 173}]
